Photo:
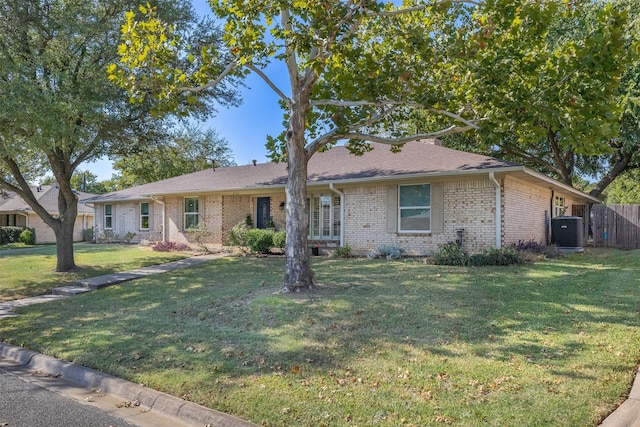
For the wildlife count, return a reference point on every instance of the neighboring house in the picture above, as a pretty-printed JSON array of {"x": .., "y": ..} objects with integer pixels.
[
  {"x": 14, "y": 211},
  {"x": 419, "y": 199}
]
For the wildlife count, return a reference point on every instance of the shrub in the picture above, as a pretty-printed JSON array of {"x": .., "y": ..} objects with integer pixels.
[
  {"x": 169, "y": 247},
  {"x": 279, "y": 239},
  {"x": 110, "y": 236},
  {"x": 493, "y": 256},
  {"x": 552, "y": 251},
  {"x": 201, "y": 234},
  {"x": 28, "y": 236},
  {"x": 450, "y": 254},
  {"x": 388, "y": 252},
  {"x": 87, "y": 234},
  {"x": 10, "y": 234},
  {"x": 128, "y": 236},
  {"x": 260, "y": 240},
  {"x": 531, "y": 246},
  {"x": 343, "y": 252},
  {"x": 237, "y": 236}
]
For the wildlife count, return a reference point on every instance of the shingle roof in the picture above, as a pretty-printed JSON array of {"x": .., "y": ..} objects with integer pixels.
[
  {"x": 47, "y": 197},
  {"x": 335, "y": 165}
]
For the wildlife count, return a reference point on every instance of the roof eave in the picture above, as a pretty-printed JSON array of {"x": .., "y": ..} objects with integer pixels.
[
  {"x": 561, "y": 185},
  {"x": 455, "y": 173}
]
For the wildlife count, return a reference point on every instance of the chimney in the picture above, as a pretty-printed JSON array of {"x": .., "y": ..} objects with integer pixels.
[{"x": 254, "y": 162}]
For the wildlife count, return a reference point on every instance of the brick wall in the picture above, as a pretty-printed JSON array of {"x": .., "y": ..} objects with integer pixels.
[
  {"x": 234, "y": 210},
  {"x": 468, "y": 204},
  {"x": 45, "y": 234},
  {"x": 524, "y": 211}
]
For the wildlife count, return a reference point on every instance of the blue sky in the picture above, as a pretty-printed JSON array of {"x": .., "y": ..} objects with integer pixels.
[{"x": 245, "y": 127}]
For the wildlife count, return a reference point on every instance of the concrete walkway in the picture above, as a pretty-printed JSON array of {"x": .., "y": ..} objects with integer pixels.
[{"x": 95, "y": 283}]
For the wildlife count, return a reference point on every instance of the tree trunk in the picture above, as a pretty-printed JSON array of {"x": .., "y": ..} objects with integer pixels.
[
  {"x": 297, "y": 276},
  {"x": 64, "y": 234},
  {"x": 64, "y": 247},
  {"x": 621, "y": 164}
]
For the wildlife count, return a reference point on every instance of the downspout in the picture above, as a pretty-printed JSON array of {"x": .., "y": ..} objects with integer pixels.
[
  {"x": 163, "y": 218},
  {"x": 496, "y": 184},
  {"x": 341, "y": 194}
]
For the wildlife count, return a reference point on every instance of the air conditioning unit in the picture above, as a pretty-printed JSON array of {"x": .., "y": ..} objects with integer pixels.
[{"x": 567, "y": 232}]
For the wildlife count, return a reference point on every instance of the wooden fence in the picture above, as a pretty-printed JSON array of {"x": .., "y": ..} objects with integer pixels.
[{"x": 616, "y": 226}]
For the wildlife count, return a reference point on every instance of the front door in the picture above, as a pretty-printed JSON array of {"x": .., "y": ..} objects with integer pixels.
[{"x": 264, "y": 212}]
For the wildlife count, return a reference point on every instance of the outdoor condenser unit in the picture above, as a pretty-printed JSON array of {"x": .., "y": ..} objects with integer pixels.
[{"x": 567, "y": 233}]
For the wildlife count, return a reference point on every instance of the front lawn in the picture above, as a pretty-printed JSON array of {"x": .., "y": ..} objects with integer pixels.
[
  {"x": 31, "y": 271},
  {"x": 380, "y": 343}
]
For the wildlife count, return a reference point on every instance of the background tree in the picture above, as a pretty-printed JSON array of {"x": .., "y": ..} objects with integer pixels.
[
  {"x": 356, "y": 71},
  {"x": 82, "y": 180},
  {"x": 184, "y": 150},
  {"x": 568, "y": 108},
  {"x": 59, "y": 108},
  {"x": 625, "y": 189}
]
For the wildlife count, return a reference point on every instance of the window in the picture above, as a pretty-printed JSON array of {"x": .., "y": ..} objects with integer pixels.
[
  {"x": 561, "y": 209},
  {"x": 144, "y": 216},
  {"x": 190, "y": 212},
  {"x": 324, "y": 217},
  {"x": 414, "y": 206},
  {"x": 108, "y": 217}
]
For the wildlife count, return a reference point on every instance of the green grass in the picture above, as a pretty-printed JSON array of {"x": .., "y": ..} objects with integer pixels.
[
  {"x": 31, "y": 271},
  {"x": 382, "y": 343},
  {"x": 18, "y": 245}
]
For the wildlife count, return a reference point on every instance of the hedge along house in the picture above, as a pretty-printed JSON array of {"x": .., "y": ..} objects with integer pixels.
[
  {"x": 418, "y": 199},
  {"x": 14, "y": 211}
]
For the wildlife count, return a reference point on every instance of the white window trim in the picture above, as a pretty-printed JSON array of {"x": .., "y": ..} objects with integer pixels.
[
  {"x": 185, "y": 213},
  {"x": 400, "y": 208},
  {"x": 333, "y": 233},
  {"x": 108, "y": 216},
  {"x": 148, "y": 216}
]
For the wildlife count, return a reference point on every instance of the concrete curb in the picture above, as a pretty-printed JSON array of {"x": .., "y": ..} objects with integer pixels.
[
  {"x": 166, "y": 404},
  {"x": 627, "y": 414}
]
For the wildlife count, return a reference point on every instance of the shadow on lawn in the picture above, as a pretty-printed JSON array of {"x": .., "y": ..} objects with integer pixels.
[{"x": 231, "y": 318}]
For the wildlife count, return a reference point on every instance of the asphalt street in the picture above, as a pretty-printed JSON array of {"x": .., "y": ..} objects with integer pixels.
[{"x": 25, "y": 404}]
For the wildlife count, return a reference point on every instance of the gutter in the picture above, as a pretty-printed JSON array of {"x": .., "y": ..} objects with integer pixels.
[
  {"x": 164, "y": 208},
  {"x": 341, "y": 194},
  {"x": 562, "y": 186},
  {"x": 498, "y": 221}
]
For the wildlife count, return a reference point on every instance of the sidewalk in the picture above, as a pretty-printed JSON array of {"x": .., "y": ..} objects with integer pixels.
[{"x": 95, "y": 283}]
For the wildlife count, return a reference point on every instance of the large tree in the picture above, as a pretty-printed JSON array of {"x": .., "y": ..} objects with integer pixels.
[
  {"x": 58, "y": 108},
  {"x": 356, "y": 71},
  {"x": 568, "y": 108},
  {"x": 625, "y": 189},
  {"x": 186, "y": 149}
]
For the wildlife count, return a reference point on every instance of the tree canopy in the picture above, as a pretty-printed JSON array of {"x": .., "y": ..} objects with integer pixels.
[
  {"x": 567, "y": 108},
  {"x": 357, "y": 71},
  {"x": 625, "y": 189},
  {"x": 59, "y": 108},
  {"x": 185, "y": 149}
]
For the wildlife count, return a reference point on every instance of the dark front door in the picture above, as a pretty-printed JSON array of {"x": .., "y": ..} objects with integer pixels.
[{"x": 264, "y": 212}]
